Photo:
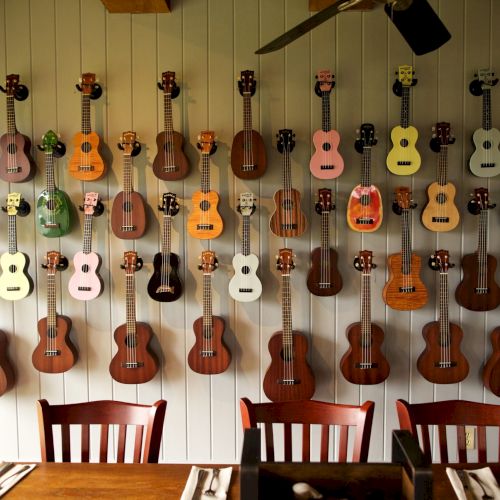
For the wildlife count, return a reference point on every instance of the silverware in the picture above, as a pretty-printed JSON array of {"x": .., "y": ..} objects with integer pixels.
[
  {"x": 202, "y": 475},
  {"x": 6, "y": 467},
  {"x": 215, "y": 474},
  {"x": 464, "y": 479},
  {"x": 19, "y": 471},
  {"x": 474, "y": 476}
]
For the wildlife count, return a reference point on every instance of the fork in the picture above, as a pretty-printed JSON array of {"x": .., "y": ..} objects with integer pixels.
[
  {"x": 215, "y": 474},
  {"x": 474, "y": 476},
  {"x": 19, "y": 471},
  {"x": 202, "y": 475}
]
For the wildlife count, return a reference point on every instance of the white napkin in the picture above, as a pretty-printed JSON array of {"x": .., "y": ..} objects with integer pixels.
[
  {"x": 13, "y": 476},
  {"x": 475, "y": 492},
  {"x": 220, "y": 485}
]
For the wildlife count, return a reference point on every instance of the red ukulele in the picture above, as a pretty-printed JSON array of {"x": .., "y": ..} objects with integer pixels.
[
  {"x": 491, "y": 371},
  {"x": 6, "y": 371}
]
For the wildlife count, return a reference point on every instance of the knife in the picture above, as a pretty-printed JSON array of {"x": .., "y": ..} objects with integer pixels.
[
  {"x": 202, "y": 475},
  {"x": 5, "y": 467}
]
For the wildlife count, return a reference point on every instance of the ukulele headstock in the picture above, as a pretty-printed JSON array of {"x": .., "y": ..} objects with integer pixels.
[
  {"x": 168, "y": 84},
  {"x": 366, "y": 137},
  {"x": 404, "y": 78},
  {"x": 206, "y": 142},
  {"x": 247, "y": 83},
  {"x": 54, "y": 262},
  {"x": 88, "y": 86},
  {"x": 92, "y": 205},
  {"x": 131, "y": 263},
  {"x": 440, "y": 261},
  {"x": 324, "y": 203},
  {"x": 441, "y": 136},
  {"x": 284, "y": 262},
  {"x": 482, "y": 79},
  {"x": 402, "y": 200},
  {"x": 52, "y": 145},
  {"x": 325, "y": 82},
  {"x": 169, "y": 204},
  {"x": 286, "y": 140},
  {"x": 247, "y": 204},
  {"x": 364, "y": 261},
  {"x": 14, "y": 88},
  {"x": 209, "y": 262},
  {"x": 480, "y": 201},
  {"x": 129, "y": 143}
]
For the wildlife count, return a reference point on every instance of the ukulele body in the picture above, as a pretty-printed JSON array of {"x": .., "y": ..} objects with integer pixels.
[
  {"x": 326, "y": 162},
  {"x": 288, "y": 220},
  {"x": 364, "y": 209},
  {"x": 466, "y": 295},
  {"x": 67, "y": 353},
  {"x": 304, "y": 386},
  {"x": 245, "y": 286},
  {"x": 314, "y": 277},
  {"x": 15, "y": 282},
  {"x": 86, "y": 164},
  {"x": 85, "y": 283},
  {"x": 128, "y": 215},
  {"x": 239, "y": 153},
  {"x": 403, "y": 158},
  {"x": 440, "y": 213},
  {"x": 428, "y": 362},
  {"x": 165, "y": 270},
  {"x": 7, "y": 377},
  {"x": 170, "y": 163},
  {"x": 143, "y": 355},
  {"x": 205, "y": 222},
  {"x": 485, "y": 161},
  {"x": 351, "y": 362},
  {"x": 491, "y": 371},
  {"x": 209, "y": 355},
  {"x": 16, "y": 163},
  {"x": 53, "y": 213}
]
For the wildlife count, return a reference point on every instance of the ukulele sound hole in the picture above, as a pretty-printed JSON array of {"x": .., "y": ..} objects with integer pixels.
[
  {"x": 86, "y": 147},
  {"x": 287, "y": 204},
  {"x": 131, "y": 341},
  {"x": 245, "y": 269},
  {"x": 365, "y": 199},
  {"x": 287, "y": 356},
  {"x": 12, "y": 268},
  {"x": 326, "y": 146},
  {"x": 85, "y": 268},
  {"x": 486, "y": 144},
  {"x": 51, "y": 205},
  {"x": 404, "y": 143},
  {"x": 168, "y": 147},
  {"x": 12, "y": 148},
  {"x": 205, "y": 205},
  {"x": 127, "y": 206},
  {"x": 441, "y": 198}
]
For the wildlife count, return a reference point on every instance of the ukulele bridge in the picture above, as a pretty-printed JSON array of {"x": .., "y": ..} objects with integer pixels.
[
  {"x": 84, "y": 288},
  {"x": 50, "y": 225},
  {"x": 481, "y": 290},
  {"x": 248, "y": 168},
  {"x": 404, "y": 163},
  {"x": 13, "y": 288},
  {"x": 204, "y": 227},
  {"x": 51, "y": 353},
  {"x": 445, "y": 364},
  {"x": 207, "y": 354},
  {"x": 132, "y": 364},
  {"x": 364, "y": 220},
  {"x": 86, "y": 168},
  {"x": 327, "y": 167},
  {"x": 324, "y": 285},
  {"x": 13, "y": 170},
  {"x": 365, "y": 366},
  {"x": 406, "y": 289},
  {"x": 165, "y": 289},
  {"x": 288, "y": 381},
  {"x": 169, "y": 168},
  {"x": 128, "y": 229},
  {"x": 488, "y": 165},
  {"x": 245, "y": 290},
  {"x": 288, "y": 226},
  {"x": 440, "y": 219}
]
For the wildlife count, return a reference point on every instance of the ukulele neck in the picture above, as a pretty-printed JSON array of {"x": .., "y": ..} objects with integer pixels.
[
  {"x": 405, "y": 107},
  {"x": 405, "y": 242},
  {"x": 167, "y": 113},
  {"x": 247, "y": 112},
  {"x": 12, "y": 234},
  {"x": 207, "y": 303},
  {"x": 286, "y": 310},
  {"x": 442, "y": 175},
  {"x": 127, "y": 173},
  {"x": 51, "y": 304},
  {"x": 49, "y": 172},
  {"x": 87, "y": 233},
  {"x": 366, "y": 177},
  {"x": 482, "y": 245},
  {"x": 245, "y": 240},
  {"x": 130, "y": 306},
  {"x": 166, "y": 238},
  {"x": 444, "y": 322},
  {"x": 487, "y": 109},
  {"x": 325, "y": 111},
  {"x": 86, "y": 129},
  {"x": 205, "y": 172},
  {"x": 11, "y": 116},
  {"x": 365, "y": 306}
]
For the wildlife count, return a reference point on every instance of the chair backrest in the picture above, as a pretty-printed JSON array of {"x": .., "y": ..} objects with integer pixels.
[
  {"x": 443, "y": 414},
  {"x": 148, "y": 422},
  {"x": 310, "y": 413}
]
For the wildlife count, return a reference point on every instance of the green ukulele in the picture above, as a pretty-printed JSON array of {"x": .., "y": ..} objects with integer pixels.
[{"x": 53, "y": 207}]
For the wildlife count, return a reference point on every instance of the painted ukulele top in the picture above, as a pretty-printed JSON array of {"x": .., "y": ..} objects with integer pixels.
[
  {"x": 326, "y": 162},
  {"x": 248, "y": 154},
  {"x": 403, "y": 158},
  {"x": 440, "y": 213},
  {"x": 86, "y": 164},
  {"x": 16, "y": 163},
  {"x": 485, "y": 161},
  {"x": 170, "y": 163}
]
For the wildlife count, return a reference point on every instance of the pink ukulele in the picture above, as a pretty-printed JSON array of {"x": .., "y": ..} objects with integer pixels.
[{"x": 326, "y": 162}]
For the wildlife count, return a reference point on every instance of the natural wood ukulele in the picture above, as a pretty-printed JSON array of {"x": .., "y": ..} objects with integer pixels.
[
  {"x": 491, "y": 370},
  {"x": 7, "y": 377}
]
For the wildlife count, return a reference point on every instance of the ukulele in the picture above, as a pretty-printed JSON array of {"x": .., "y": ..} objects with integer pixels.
[
  {"x": 55, "y": 353},
  {"x": 53, "y": 207},
  {"x": 288, "y": 220},
  {"x": 478, "y": 290},
  {"x": 364, "y": 363},
  {"x": 205, "y": 221},
  {"x": 326, "y": 162},
  {"x": 134, "y": 362},
  {"x": 209, "y": 355},
  {"x": 248, "y": 154},
  {"x": 7, "y": 377},
  {"x": 16, "y": 163},
  {"x": 245, "y": 286},
  {"x": 491, "y": 370},
  {"x": 442, "y": 362},
  {"x": 289, "y": 376},
  {"x": 165, "y": 284},
  {"x": 128, "y": 213},
  {"x": 324, "y": 277},
  {"x": 15, "y": 282},
  {"x": 364, "y": 209},
  {"x": 86, "y": 163},
  {"x": 170, "y": 163},
  {"x": 403, "y": 158},
  {"x": 440, "y": 212},
  {"x": 404, "y": 289},
  {"x": 485, "y": 161},
  {"x": 86, "y": 283}
]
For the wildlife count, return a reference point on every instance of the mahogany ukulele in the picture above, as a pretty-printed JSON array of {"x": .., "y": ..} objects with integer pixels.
[
  {"x": 134, "y": 361},
  {"x": 55, "y": 352},
  {"x": 288, "y": 220},
  {"x": 324, "y": 277},
  {"x": 478, "y": 290},
  {"x": 404, "y": 289},
  {"x": 165, "y": 284},
  {"x": 442, "y": 361},
  {"x": 170, "y": 163},
  {"x": 16, "y": 163},
  {"x": 289, "y": 376},
  {"x": 491, "y": 370},
  {"x": 205, "y": 221},
  {"x": 209, "y": 355},
  {"x": 128, "y": 213},
  {"x": 440, "y": 212},
  {"x": 364, "y": 363},
  {"x": 248, "y": 154},
  {"x": 86, "y": 164},
  {"x": 326, "y": 162},
  {"x": 7, "y": 377},
  {"x": 364, "y": 209}
]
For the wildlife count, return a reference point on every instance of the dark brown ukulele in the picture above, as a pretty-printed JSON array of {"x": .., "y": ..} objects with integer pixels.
[
  {"x": 324, "y": 277},
  {"x": 442, "y": 362},
  {"x": 289, "y": 376},
  {"x": 209, "y": 355},
  {"x": 55, "y": 353},
  {"x": 6, "y": 371},
  {"x": 478, "y": 290},
  {"x": 134, "y": 362},
  {"x": 491, "y": 371},
  {"x": 170, "y": 163},
  {"x": 364, "y": 363},
  {"x": 248, "y": 154}
]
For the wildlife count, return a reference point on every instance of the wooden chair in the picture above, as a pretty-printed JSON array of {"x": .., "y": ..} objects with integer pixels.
[
  {"x": 443, "y": 414},
  {"x": 103, "y": 413},
  {"x": 310, "y": 413}
]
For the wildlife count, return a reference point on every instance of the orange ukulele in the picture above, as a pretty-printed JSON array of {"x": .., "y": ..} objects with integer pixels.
[
  {"x": 205, "y": 221},
  {"x": 6, "y": 371},
  {"x": 442, "y": 362},
  {"x": 364, "y": 362},
  {"x": 364, "y": 209},
  {"x": 134, "y": 362},
  {"x": 55, "y": 353},
  {"x": 404, "y": 289},
  {"x": 491, "y": 371},
  {"x": 86, "y": 163},
  {"x": 289, "y": 376},
  {"x": 209, "y": 355},
  {"x": 170, "y": 163}
]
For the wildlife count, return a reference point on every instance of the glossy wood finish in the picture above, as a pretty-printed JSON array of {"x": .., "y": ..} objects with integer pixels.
[
  {"x": 258, "y": 154},
  {"x": 437, "y": 208},
  {"x": 205, "y": 212},
  {"x": 7, "y": 377},
  {"x": 129, "y": 209},
  {"x": 365, "y": 204},
  {"x": 85, "y": 155},
  {"x": 147, "y": 420},
  {"x": 170, "y": 268},
  {"x": 170, "y": 146},
  {"x": 288, "y": 219},
  {"x": 314, "y": 275},
  {"x": 491, "y": 370}
]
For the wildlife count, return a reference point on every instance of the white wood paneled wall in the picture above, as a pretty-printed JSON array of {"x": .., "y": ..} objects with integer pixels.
[{"x": 207, "y": 43}]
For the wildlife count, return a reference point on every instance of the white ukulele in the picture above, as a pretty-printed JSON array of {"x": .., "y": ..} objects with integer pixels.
[
  {"x": 86, "y": 284},
  {"x": 245, "y": 286}
]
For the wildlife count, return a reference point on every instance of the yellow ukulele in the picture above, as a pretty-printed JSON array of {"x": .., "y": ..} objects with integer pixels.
[{"x": 403, "y": 158}]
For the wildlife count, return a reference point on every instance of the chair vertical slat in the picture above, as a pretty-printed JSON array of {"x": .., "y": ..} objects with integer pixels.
[
  {"x": 85, "y": 442},
  {"x": 344, "y": 434},
  {"x": 461, "y": 444},
  {"x": 426, "y": 440},
  {"x": 139, "y": 429},
  {"x": 268, "y": 428},
  {"x": 66, "y": 443},
  {"x": 103, "y": 447},
  {"x": 287, "y": 432},
  {"x": 306, "y": 443},
  {"x": 325, "y": 438},
  {"x": 122, "y": 439},
  {"x": 443, "y": 444},
  {"x": 481, "y": 443}
]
